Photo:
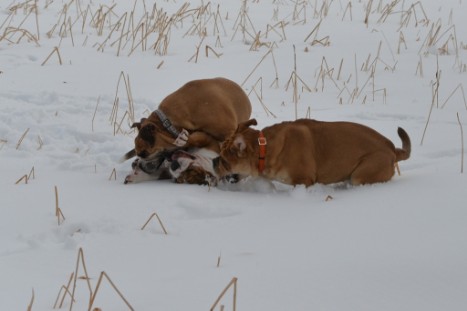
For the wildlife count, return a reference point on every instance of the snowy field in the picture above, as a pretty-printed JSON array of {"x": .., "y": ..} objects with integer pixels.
[{"x": 75, "y": 74}]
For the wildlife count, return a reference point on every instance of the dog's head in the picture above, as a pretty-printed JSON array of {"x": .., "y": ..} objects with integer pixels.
[
  {"x": 196, "y": 175},
  {"x": 237, "y": 151},
  {"x": 151, "y": 139},
  {"x": 193, "y": 167}
]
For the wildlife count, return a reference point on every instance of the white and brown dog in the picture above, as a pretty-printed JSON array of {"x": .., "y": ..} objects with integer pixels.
[
  {"x": 200, "y": 114},
  {"x": 191, "y": 166},
  {"x": 309, "y": 151}
]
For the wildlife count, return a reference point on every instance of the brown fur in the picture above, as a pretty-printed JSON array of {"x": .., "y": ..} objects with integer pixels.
[
  {"x": 309, "y": 151},
  {"x": 194, "y": 175},
  {"x": 209, "y": 109}
]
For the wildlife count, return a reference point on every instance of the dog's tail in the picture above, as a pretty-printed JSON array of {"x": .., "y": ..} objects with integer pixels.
[
  {"x": 130, "y": 154},
  {"x": 404, "y": 152}
]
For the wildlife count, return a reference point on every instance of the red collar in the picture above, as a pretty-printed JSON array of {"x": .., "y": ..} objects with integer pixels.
[{"x": 262, "y": 142}]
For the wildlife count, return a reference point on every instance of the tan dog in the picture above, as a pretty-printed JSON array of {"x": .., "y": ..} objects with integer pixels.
[
  {"x": 308, "y": 152},
  {"x": 202, "y": 113}
]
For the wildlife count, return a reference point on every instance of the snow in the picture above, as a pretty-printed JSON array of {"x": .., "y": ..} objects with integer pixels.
[{"x": 401, "y": 245}]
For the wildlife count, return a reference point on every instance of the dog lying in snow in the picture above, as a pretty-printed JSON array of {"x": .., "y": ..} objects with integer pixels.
[
  {"x": 309, "y": 151},
  {"x": 200, "y": 114},
  {"x": 193, "y": 166}
]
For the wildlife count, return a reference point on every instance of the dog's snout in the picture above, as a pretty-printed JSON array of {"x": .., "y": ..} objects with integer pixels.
[{"x": 174, "y": 165}]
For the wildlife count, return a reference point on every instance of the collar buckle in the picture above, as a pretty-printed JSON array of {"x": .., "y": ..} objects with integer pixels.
[
  {"x": 262, "y": 141},
  {"x": 166, "y": 123}
]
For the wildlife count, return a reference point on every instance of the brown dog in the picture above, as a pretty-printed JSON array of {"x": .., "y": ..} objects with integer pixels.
[
  {"x": 308, "y": 152},
  {"x": 202, "y": 113}
]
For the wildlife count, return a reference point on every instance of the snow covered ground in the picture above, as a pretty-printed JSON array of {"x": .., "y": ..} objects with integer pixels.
[{"x": 395, "y": 246}]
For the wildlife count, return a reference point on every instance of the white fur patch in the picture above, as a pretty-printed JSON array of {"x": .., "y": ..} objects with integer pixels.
[{"x": 202, "y": 158}]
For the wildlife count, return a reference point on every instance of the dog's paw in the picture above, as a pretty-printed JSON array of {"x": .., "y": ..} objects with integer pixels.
[{"x": 182, "y": 138}]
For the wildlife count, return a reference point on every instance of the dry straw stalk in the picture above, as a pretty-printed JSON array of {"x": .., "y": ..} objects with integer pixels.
[
  {"x": 79, "y": 260},
  {"x": 56, "y": 51},
  {"x": 24, "y": 177},
  {"x": 462, "y": 143},
  {"x": 158, "y": 219},
  {"x": 21, "y": 139},
  {"x": 113, "y": 174},
  {"x": 31, "y": 302},
  {"x": 233, "y": 283},
  {"x": 93, "y": 296},
  {"x": 65, "y": 290}
]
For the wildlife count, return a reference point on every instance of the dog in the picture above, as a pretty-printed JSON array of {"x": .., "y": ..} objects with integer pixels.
[
  {"x": 200, "y": 114},
  {"x": 309, "y": 151},
  {"x": 192, "y": 166}
]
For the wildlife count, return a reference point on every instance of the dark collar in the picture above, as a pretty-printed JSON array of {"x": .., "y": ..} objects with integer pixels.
[{"x": 167, "y": 124}]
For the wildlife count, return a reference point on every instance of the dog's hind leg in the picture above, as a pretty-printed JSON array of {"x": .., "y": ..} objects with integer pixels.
[{"x": 374, "y": 168}]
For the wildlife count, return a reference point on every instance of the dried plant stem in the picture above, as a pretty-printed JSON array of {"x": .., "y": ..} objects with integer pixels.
[
  {"x": 58, "y": 210},
  {"x": 452, "y": 93},
  {"x": 233, "y": 283},
  {"x": 462, "y": 143},
  {"x": 113, "y": 174},
  {"x": 55, "y": 50},
  {"x": 31, "y": 302},
  {"x": 427, "y": 121},
  {"x": 32, "y": 173},
  {"x": 348, "y": 8},
  {"x": 294, "y": 77},
  {"x": 21, "y": 139},
  {"x": 78, "y": 260},
  {"x": 93, "y": 296},
  {"x": 208, "y": 48},
  {"x": 94, "y": 115},
  {"x": 419, "y": 67},
  {"x": 434, "y": 99},
  {"x": 56, "y": 201},
  {"x": 158, "y": 219},
  {"x": 195, "y": 56},
  {"x": 24, "y": 177},
  {"x": 257, "y": 65},
  {"x": 130, "y": 110},
  {"x": 41, "y": 143},
  {"x": 314, "y": 31},
  {"x": 65, "y": 290},
  {"x": 368, "y": 11},
  {"x": 266, "y": 109}
]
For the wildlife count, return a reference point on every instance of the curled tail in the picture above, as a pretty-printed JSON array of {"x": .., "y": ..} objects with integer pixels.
[{"x": 404, "y": 152}]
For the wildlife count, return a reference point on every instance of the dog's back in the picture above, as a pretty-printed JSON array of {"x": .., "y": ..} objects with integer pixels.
[
  {"x": 214, "y": 106},
  {"x": 332, "y": 151}
]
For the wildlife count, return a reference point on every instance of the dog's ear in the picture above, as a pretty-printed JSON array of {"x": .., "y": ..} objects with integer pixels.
[
  {"x": 239, "y": 143},
  {"x": 244, "y": 125},
  {"x": 239, "y": 146},
  {"x": 147, "y": 133},
  {"x": 138, "y": 124}
]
